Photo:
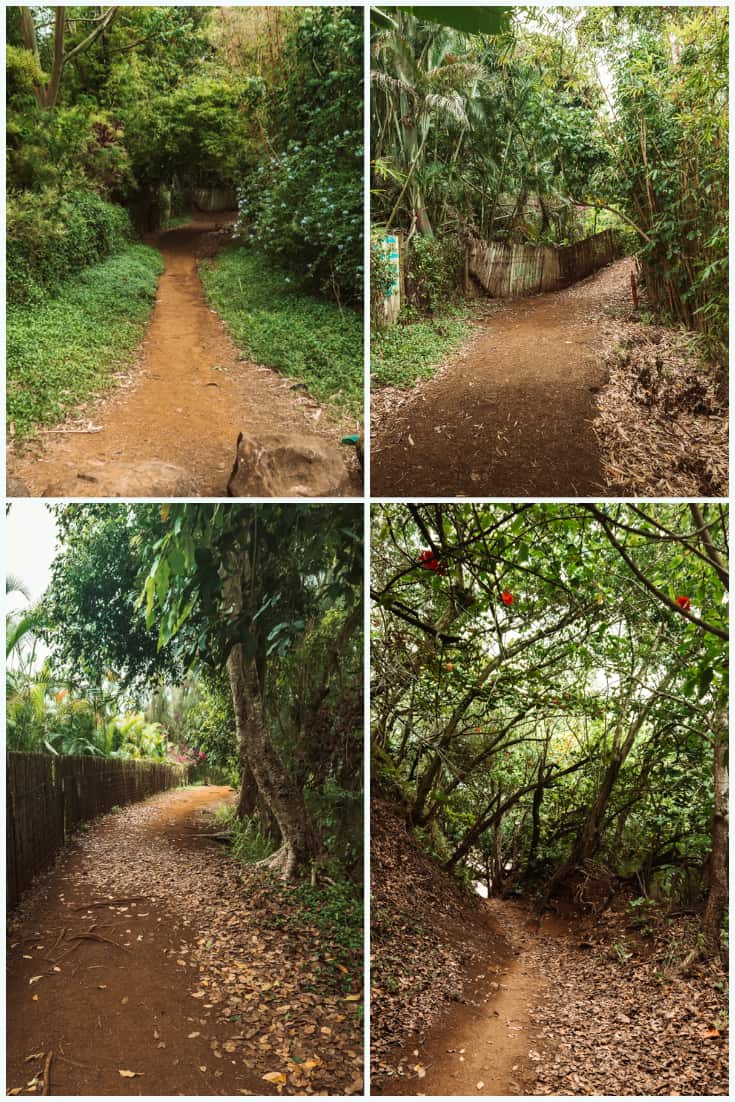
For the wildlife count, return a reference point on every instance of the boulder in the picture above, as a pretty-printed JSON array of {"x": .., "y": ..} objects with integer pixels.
[{"x": 288, "y": 465}]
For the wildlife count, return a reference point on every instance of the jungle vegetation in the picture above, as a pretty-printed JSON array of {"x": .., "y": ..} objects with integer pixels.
[
  {"x": 228, "y": 638},
  {"x": 546, "y": 125},
  {"x": 549, "y": 688},
  {"x": 116, "y": 118}
]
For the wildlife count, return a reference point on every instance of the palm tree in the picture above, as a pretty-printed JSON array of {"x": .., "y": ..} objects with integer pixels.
[{"x": 423, "y": 78}]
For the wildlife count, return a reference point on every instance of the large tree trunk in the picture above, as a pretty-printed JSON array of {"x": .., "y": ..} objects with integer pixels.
[
  {"x": 251, "y": 804},
  {"x": 717, "y": 896},
  {"x": 278, "y": 790}
]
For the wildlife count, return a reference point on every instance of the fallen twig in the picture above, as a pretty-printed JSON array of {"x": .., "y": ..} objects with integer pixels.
[
  {"x": 69, "y": 432},
  {"x": 47, "y": 1072},
  {"x": 111, "y": 902}
]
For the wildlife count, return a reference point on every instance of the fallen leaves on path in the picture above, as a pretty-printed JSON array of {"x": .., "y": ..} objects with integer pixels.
[{"x": 265, "y": 1000}]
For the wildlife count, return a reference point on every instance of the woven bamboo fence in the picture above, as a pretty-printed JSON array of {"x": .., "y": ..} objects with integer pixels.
[
  {"x": 48, "y": 797},
  {"x": 508, "y": 271}
]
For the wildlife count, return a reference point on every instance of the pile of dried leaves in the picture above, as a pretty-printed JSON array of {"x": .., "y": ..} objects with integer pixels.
[
  {"x": 425, "y": 931},
  {"x": 662, "y": 418},
  {"x": 621, "y": 1019},
  {"x": 254, "y": 966}
]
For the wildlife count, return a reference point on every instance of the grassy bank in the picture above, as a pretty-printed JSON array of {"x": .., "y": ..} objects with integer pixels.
[
  {"x": 415, "y": 347},
  {"x": 62, "y": 351},
  {"x": 282, "y": 326}
]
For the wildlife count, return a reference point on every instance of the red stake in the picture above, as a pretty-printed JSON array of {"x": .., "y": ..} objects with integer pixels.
[{"x": 633, "y": 289}]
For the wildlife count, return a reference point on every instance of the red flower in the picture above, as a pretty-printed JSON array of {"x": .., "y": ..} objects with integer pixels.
[
  {"x": 684, "y": 602},
  {"x": 506, "y": 597},
  {"x": 429, "y": 561}
]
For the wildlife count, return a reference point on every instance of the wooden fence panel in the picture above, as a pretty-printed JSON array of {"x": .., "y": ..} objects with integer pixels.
[
  {"x": 48, "y": 797},
  {"x": 508, "y": 271}
]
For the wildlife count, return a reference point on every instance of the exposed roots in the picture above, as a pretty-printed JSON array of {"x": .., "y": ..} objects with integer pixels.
[{"x": 283, "y": 862}]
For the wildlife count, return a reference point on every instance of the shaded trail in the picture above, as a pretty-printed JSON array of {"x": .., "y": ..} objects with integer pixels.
[
  {"x": 485, "y": 1044},
  {"x": 189, "y": 1019},
  {"x": 170, "y": 430},
  {"x": 513, "y": 415}
]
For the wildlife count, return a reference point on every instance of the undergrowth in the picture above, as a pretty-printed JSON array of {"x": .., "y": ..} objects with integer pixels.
[
  {"x": 415, "y": 347},
  {"x": 333, "y": 908},
  {"x": 61, "y": 351},
  {"x": 280, "y": 325},
  {"x": 249, "y": 844}
]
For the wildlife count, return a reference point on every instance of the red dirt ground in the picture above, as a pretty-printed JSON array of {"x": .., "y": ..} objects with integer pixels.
[
  {"x": 184, "y": 404},
  {"x": 102, "y": 1008}
]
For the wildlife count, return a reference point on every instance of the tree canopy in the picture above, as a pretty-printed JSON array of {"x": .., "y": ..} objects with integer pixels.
[
  {"x": 549, "y": 687},
  {"x": 558, "y": 122}
]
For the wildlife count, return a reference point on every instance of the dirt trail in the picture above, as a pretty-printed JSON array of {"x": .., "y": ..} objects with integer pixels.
[
  {"x": 486, "y": 1044},
  {"x": 211, "y": 984},
  {"x": 171, "y": 429},
  {"x": 110, "y": 1008},
  {"x": 512, "y": 416}
]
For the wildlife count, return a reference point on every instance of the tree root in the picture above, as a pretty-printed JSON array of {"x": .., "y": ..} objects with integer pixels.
[{"x": 283, "y": 862}]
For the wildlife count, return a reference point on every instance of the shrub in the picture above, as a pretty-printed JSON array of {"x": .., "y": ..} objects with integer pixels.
[
  {"x": 51, "y": 235},
  {"x": 304, "y": 209},
  {"x": 433, "y": 267}
]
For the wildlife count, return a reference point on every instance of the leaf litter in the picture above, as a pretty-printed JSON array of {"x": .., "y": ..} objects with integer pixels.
[
  {"x": 614, "y": 1014},
  {"x": 262, "y": 996}
]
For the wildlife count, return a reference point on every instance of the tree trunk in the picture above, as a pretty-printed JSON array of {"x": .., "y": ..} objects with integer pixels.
[
  {"x": 717, "y": 898},
  {"x": 277, "y": 789}
]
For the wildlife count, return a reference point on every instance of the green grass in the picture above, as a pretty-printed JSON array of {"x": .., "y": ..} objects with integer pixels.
[
  {"x": 414, "y": 348},
  {"x": 63, "y": 351},
  {"x": 175, "y": 220},
  {"x": 279, "y": 324}
]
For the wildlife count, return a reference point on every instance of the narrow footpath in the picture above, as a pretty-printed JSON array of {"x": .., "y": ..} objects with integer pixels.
[
  {"x": 512, "y": 415},
  {"x": 171, "y": 428},
  {"x": 147, "y": 962}
]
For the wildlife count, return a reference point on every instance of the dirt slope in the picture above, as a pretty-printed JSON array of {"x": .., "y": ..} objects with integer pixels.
[
  {"x": 512, "y": 416},
  {"x": 171, "y": 429},
  {"x": 451, "y": 991},
  {"x": 192, "y": 986}
]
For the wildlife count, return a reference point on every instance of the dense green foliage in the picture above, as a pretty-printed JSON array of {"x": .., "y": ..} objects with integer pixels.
[
  {"x": 525, "y": 134},
  {"x": 140, "y": 609},
  {"x": 118, "y": 116},
  {"x": 52, "y": 235},
  {"x": 278, "y": 322},
  {"x": 303, "y": 206},
  {"x": 62, "y": 350},
  {"x": 549, "y": 691},
  {"x": 50, "y": 710}
]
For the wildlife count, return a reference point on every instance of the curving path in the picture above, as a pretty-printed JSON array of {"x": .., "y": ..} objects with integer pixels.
[
  {"x": 181, "y": 975},
  {"x": 512, "y": 416}
]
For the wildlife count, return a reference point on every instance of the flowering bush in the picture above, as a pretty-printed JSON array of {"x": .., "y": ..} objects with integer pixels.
[
  {"x": 304, "y": 208},
  {"x": 186, "y": 755}
]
